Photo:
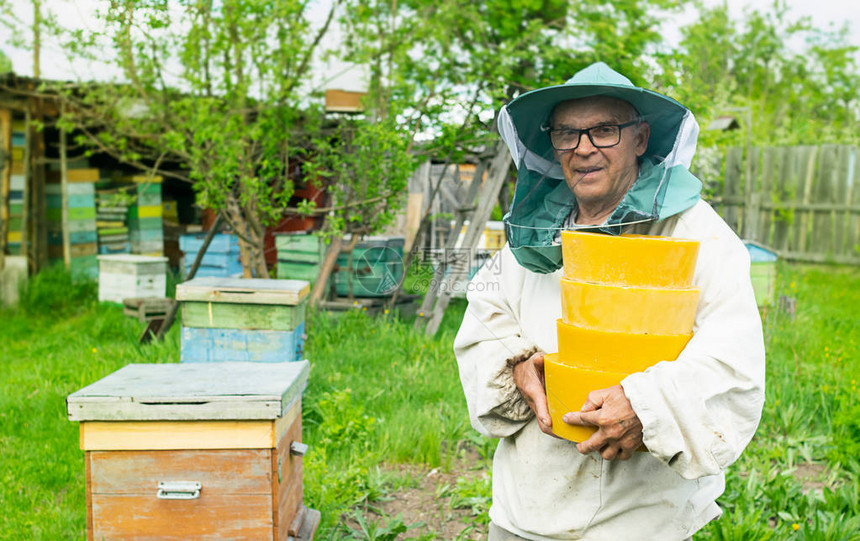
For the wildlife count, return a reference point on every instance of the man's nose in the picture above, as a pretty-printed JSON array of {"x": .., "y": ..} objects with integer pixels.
[{"x": 585, "y": 147}]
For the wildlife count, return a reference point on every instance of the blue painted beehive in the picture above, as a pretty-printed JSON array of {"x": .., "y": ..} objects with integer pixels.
[
  {"x": 238, "y": 319},
  {"x": 221, "y": 258},
  {"x": 762, "y": 272}
]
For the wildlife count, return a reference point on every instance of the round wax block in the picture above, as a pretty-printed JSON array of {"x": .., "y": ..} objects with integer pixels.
[
  {"x": 635, "y": 260},
  {"x": 567, "y": 388},
  {"x": 629, "y": 309},
  {"x": 616, "y": 351}
]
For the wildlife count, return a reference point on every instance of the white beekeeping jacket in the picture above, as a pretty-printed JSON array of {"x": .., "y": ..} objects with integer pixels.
[{"x": 698, "y": 412}]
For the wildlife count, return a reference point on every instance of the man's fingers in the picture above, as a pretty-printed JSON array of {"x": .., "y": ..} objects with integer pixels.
[
  {"x": 580, "y": 418},
  {"x": 609, "y": 452},
  {"x": 631, "y": 442},
  {"x": 594, "y": 401},
  {"x": 589, "y": 406},
  {"x": 542, "y": 412},
  {"x": 597, "y": 399},
  {"x": 537, "y": 361},
  {"x": 595, "y": 443},
  {"x": 541, "y": 409},
  {"x": 529, "y": 378},
  {"x": 625, "y": 454}
]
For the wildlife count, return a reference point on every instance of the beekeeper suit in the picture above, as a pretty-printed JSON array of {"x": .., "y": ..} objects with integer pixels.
[{"x": 694, "y": 415}]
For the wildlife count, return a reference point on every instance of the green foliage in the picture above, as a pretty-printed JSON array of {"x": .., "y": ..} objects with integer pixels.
[
  {"x": 812, "y": 361},
  {"x": 58, "y": 341},
  {"x": 368, "y": 165},
  {"x": 446, "y": 65},
  {"x": 56, "y": 291},
  {"x": 474, "y": 494},
  {"x": 339, "y": 420},
  {"x": 5, "y": 63},
  {"x": 846, "y": 424},
  {"x": 753, "y": 67},
  {"x": 384, "y": 529},
  {"x": 211, "y": 93},
  {"x": 378, "y": 392}
]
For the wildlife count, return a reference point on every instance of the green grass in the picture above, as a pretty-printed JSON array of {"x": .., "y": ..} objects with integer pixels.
[
  {"x": 58, "y": 341},
  {"x": 379, "y": 392},
  {"x": 811, "y": 416}
]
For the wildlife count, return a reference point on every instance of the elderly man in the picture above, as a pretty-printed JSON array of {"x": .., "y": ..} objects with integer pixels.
[{"x": 600, "y": 153}]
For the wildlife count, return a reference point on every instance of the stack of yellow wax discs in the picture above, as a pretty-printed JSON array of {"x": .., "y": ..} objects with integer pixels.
[{"x": 627, "y": 304}]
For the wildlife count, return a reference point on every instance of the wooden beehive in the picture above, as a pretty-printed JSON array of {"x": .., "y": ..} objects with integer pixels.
[
  {"x": 127, "y": 275},
  {"x": 195, "y": 451},
  {"x": 221, "y": 258},
  {"x": 236, "y": 319},
  {"x": 299, "y": 255}
]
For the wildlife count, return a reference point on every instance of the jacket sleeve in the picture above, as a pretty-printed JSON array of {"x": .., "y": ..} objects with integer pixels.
[
  {"x": 489, "y": 341},
  {"x": 699, "y": 412}
]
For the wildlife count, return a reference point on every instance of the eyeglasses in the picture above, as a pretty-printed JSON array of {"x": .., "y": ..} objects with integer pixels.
[{"x": 603, "y": 136}]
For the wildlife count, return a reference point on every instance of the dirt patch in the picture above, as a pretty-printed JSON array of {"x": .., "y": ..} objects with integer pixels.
[
  {"x": 430, "y": 506},
  {"x": 812, "y": 476}
]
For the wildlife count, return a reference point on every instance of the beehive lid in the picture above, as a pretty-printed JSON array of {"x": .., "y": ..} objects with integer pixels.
[
  {"x": 132, "y": 258},
  {"x": 243, "y": 290},
  {"x": 191, "y": 392},
  {"x": 760, "y": 253}
]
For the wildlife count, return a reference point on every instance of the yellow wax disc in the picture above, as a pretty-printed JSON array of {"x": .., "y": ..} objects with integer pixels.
[
  {"x": 567, "y": 388},
  {"x": 616, "y": 351},
  {"x": 628, "y": 309},
  {"x": 636, "y": 260}
]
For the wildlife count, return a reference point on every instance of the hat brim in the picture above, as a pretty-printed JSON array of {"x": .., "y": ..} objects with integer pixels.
[{"x": 532, "y": 110}]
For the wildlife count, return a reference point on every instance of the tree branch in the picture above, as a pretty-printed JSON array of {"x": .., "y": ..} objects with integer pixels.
[{"x": 309, "y": 53}]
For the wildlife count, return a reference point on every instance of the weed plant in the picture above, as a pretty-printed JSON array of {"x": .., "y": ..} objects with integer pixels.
[{"x": 380, "y": 393}]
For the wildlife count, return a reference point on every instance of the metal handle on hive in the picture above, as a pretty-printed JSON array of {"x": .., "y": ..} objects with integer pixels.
[
  {"x": 298, "y": 448},
  {"x": 178, "y": 490}
]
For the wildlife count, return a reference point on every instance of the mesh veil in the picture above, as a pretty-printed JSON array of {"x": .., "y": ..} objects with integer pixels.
[{"x": 543, "y": 200}]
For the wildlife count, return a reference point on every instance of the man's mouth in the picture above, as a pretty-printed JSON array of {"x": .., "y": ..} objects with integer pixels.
[{"x": 587, "y": 170}]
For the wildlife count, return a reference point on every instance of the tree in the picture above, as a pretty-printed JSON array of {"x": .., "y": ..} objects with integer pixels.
[
  {"x": 216, "y": 88},
  {"x": 444, "y": 68},
  {"x": 368, "y": 164},
  {"x": 795, "y": 96},
  {"x": 458, "y": 59},
  {"x": 217, "y": 91}
]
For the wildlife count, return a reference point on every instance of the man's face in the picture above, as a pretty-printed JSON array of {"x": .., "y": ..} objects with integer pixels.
[{"x": 599, "y": 177}]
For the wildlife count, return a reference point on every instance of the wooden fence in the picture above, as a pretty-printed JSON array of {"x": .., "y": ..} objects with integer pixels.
[{"x": 802, "y": 201}]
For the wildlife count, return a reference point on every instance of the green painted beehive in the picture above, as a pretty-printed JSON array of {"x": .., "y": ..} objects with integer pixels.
[
  {"x": 234, "y": 319},
  {"x": 299, "y": 255},
  {"x": 376, "y": 269}
]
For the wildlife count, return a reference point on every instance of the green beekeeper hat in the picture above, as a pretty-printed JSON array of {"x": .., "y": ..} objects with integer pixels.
[{"x": 542, "y": 201}]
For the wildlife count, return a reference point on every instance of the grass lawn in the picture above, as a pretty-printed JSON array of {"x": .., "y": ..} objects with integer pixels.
[{"x": 380, "y": 393}]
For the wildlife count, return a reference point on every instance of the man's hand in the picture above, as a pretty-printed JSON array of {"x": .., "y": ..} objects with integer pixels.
[
  {"x": 529, "y": 378},
  {"x": 619, "y": 430}
]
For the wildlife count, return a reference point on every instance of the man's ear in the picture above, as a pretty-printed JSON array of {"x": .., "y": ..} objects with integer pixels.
[{"x": 643, "y": 133}]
